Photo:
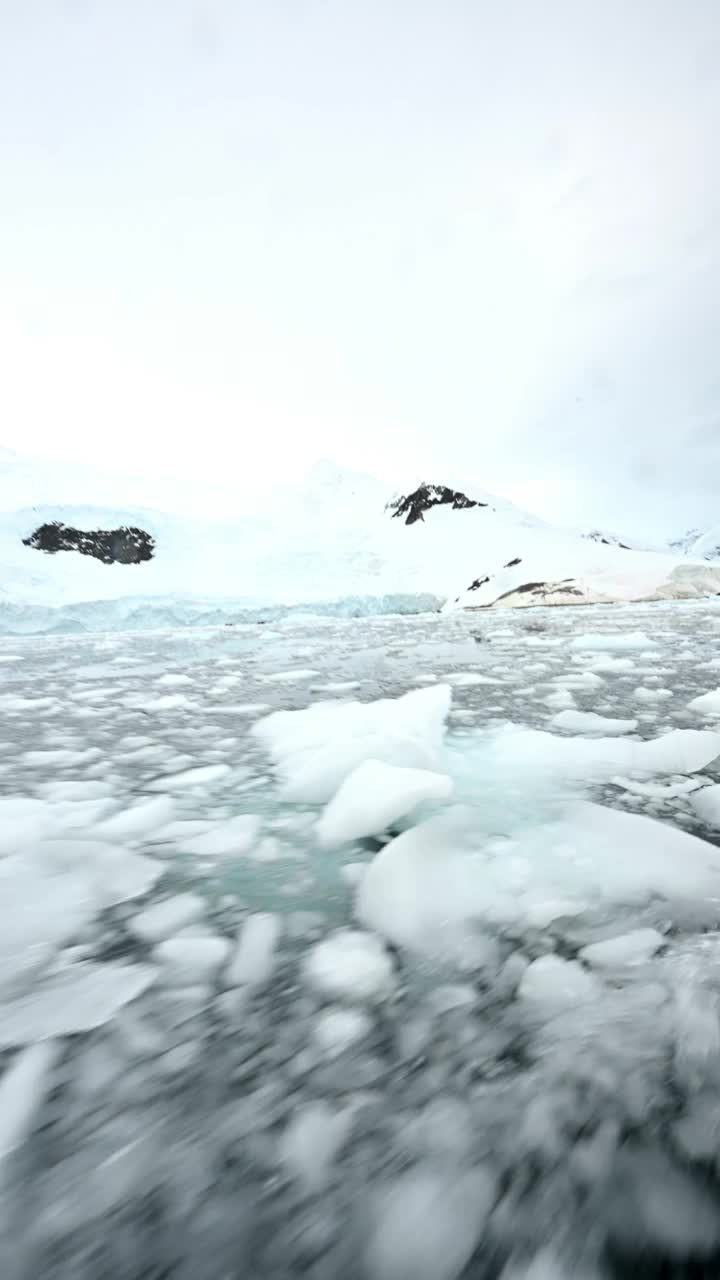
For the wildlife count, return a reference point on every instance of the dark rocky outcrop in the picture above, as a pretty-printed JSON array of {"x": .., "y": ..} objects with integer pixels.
[
  {"x": 512, "y": 563},
  {"x": 126, "y": 545},
  {"x": 414, "y": 505},
  {"x": 596, "y": 535}
]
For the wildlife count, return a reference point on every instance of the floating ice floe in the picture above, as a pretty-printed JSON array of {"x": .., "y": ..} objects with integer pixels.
[
  {"x": 374, "y": 796},
  {"x": 314, "y": 750},
  {"x": 588, "y": 722},
  {"x": 78, "y": 998},
  {"x": 350, "y": 963},
  {"x": 708, "y": 704},
  {"x": 423, "y": 888},
  {"x": 254, "y": 959}
]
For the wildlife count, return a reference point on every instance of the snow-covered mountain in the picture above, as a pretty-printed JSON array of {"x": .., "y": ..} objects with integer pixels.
[
  {"x": 340, "y": 536},
  {"x": 698, "y": 544}
]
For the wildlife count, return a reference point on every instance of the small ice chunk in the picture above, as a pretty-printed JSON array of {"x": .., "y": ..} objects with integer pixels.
[
  {"x": 22, "y": 1090},
  {"x": 174, "y": 678},
  {"x": 549, "y": 980},
  {"x": 374, "y": 796},
  {"x": 641, "y": 694},
  {"x": 311, "y": 1142},
  {"x": 614, "y": 641},
  {"x": 708, "y": 704},
  {"x": 588, "y": 722},
  {"x": 202, "y": 776},
  {"x": 706, "y": 804},
  {"x": 338, "y": 1029},
  {"x": 560, "y": 699},
  {"x": 288, "y": 677},
  {"x": 76, "y": 999},
  {"x": 138, "y": 820},
  {"x": 254, "y": 958},
  {"x": 350, "y": 963},
  {"x": 233, "y": 836},
  {"x": 427, "y": 1224},
  {"x": 188, "y": 958},
  {"x": 465, "y": 679},
  {"x": 165, "y": 918},
  {"x": 658, "y": 790},
  {"x": 635, "y": 947}
]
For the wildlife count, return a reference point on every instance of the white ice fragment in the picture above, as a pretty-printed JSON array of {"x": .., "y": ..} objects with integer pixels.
[
  {"x": 588, "y": 722},
  {"x": 556, "y": 982},
  {"x": 560, "y": 699},
  {"x": 708, "y": 704},
  {"x": 170, "y": 702},
  {"x": 614, "y": 641},
  {"x": 232, "y": 836},
  {"x": 641, "y": 694},
  {"x": 465, "y": 679},
  {"x": 551, "y": 981},
  {"x": 443, "y": 1128},
  {"x": 288, "y": 677},
  {"x": 165, "y": 918},
  {"x": 658, "y": 790},
  {"x": 427, "y": 1224},
  {"x": 77, "y": 999},
  {"x": 202, "y": 776},
  {"x": 22, "y": 1090},
  {"x": 706, "y": 804},
  {"x": 137, "y": 820},
  {"x": 188, "y": 958},
  {"x": 535, "y": 752},
  {"x": 351, "y": 964},
  {"x": 374, "y": 796},
  {"x": 254, "y": 958},
  {"x": 174, "y": 678},
  {"x": 22, "y": 821},
  {"x": 635, "y": 947},
  {"x": 311, "y": 1141},
  {"x": 314, "y": 750},
  {"x": 338, "y": 1029}
]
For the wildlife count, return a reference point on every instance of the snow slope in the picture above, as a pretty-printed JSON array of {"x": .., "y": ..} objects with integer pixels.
[
  {"x": 699, "y": 546},
  {"x": 331, "y": 540}
]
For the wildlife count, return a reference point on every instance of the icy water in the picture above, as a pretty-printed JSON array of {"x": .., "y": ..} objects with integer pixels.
[{"x": 470, "y": 1035}]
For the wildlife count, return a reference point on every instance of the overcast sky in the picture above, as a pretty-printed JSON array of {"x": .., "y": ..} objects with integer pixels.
[{"x": 452, "y": 237}]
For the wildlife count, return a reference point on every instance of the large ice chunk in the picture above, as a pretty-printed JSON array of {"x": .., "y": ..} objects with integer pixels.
[
  {"x": 254, "y": 958},
  {"x": 233, "y": 836},
  {"x": 350, "y": 963},
  {"x": 374, "y": 796},
  {"x": 78, "y": 998},
  {"x": 427, "y": 1224},
  {"x": 314, "y": 750},
  {"x": 708, "y": 704},
  {"x": 22, "y": 1090},
  {"x": 706, "y": 804},
  {"x": 626, "y": 949},
  {"x": 163, "y": 919},
  {"x": 311, "y": 1141},
  {"x": 425, "y": 886}
]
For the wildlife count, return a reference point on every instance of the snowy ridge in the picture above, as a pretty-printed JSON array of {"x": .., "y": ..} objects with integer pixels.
[
  {"x": 330, "y": 541},
  {"x": 699, "y": 546}
]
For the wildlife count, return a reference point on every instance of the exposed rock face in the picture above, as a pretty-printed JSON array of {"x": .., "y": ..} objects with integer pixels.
[
  {"x": 414, "y": 505},
  {"x": 126, "y": 545},
  {"x": 607, "y": 539}
]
